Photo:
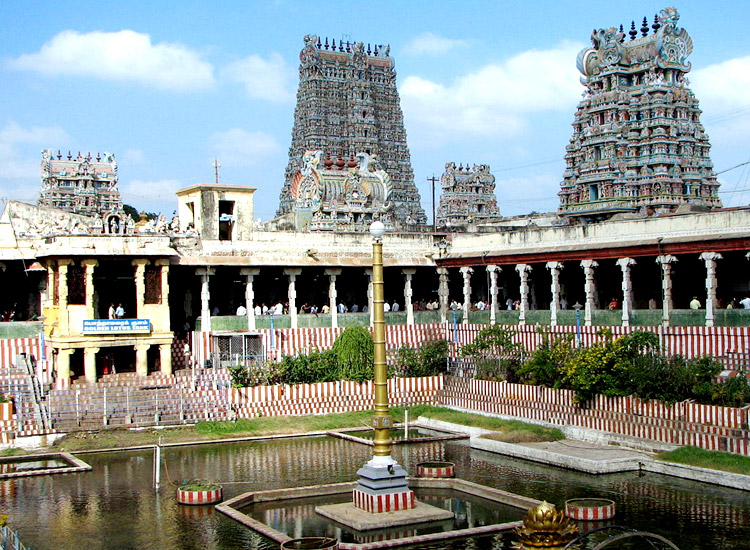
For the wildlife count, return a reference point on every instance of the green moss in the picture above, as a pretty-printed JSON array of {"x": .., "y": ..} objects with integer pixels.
[{"x": 713, "y": 460}]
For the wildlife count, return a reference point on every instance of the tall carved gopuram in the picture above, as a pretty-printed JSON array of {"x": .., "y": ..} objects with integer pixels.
[
  {"x": 638, "y": 144},
  {"x": 468, "y": 196},
  {"x": 348, "y": 105},
  {"x": 80, "y": 185}
]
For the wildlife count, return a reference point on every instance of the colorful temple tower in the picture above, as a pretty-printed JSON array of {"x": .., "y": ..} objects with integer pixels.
[
  {"x": 348, "y": 105},
  {"x": 80, "y": 185},
  {"x": 468, "y": 196},
  {"x": 638, "y": 144}
]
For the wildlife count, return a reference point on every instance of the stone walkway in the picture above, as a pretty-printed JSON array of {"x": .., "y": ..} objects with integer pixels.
[{"x": 592, "y": 458}]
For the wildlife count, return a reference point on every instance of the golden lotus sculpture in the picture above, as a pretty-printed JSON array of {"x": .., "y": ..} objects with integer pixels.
[{"x": 545, "y": 526}]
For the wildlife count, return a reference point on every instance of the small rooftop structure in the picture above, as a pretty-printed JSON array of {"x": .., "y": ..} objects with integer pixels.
[{"x": 216, "y": 211}]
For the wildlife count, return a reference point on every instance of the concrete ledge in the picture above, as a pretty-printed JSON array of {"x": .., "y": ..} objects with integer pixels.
[
  {"x": 715, "y": 477},
  {"x": 355, "y": 518},
  {"x": 572, "y": 432},
  {"x": 75, "y": 465},
  {"x": 599, "y": 466},
  {"x": 558, "y": 455},
  {"x": 231, "y": 508}
]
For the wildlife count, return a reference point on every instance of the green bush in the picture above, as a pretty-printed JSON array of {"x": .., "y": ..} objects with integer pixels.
[
  {"x": 547, "y": 362},
  {"x": 735, "y": 392},
  {"x": 353, "y": 350},
  {"x": 267, "y": 374},
  {"x": 496, "y": 355},
  {"x": 318, "y": 366},
  {"x": 627, "y": 365},
  {"x": 428, "y": 360}
]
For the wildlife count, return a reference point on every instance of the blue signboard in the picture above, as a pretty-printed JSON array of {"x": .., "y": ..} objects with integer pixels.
[{"x": 114, "y": 326}]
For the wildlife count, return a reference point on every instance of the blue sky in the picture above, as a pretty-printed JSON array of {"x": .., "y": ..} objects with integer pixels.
[{"x": 168, "y": 86}]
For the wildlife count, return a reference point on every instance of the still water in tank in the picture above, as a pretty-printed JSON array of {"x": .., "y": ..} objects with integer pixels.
[{"x": 115, "y": 507}]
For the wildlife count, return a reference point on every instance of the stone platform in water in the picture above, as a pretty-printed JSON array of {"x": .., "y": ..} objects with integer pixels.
[{"x": 362, "y": 520}]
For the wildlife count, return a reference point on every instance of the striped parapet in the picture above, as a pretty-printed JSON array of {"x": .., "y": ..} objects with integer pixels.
[
  {"x": 590, "y": 509},
  {"x": 198, "y": 496},
  {"x": 436, "y": 469},
  {"x": 384, "y": 502}
]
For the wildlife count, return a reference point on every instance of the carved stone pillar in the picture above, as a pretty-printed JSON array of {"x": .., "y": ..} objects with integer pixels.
[
  {"x": 63, "y": 366},
  {"x": 140, "y": 285},
  {"x": 627, "y": 289},
  {"x": 554, "y": 306},
  {"x": 51, "y": 288},
  {"x": 466, "y": 272},
  {"x": 62, "y": 282},
  {"x": 408, "y": 274},
  {"x": 493, "y": 270},
  {"x": 589, "y": 287},
  {"x": 666, "y": 261},
  {"x": 368, "y": 272},
  {"x": 250, "y": 273},
  {"x": 523, "y": 272},
  {"x": 89, "y": 363},
  {"x": 165, "y": 358},
  {"x": 141, "y": 359},
  {"x": 333, "y": 295},
  {"x": 710, "y": 259},
  {"x": 205, "y": 273},
  {"x": 443, "y": 293},
  {"x": 164, "y": 280},
  {"x": 89, "y": 266},
  {"x": 292, "y": 296}
]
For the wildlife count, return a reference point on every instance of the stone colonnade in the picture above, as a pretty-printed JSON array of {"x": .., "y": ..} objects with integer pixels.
[
  {"x": 589, "y": 281},
  {"x": 524, "y": 270}
]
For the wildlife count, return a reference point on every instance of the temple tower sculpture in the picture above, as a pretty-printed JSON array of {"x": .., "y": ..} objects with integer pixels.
[
  {"x": 468, "y": 196},
  {"x": 348, "y": 107},
  {"x": 81, "y": 185},
  {"x": 638, "y": 144}
]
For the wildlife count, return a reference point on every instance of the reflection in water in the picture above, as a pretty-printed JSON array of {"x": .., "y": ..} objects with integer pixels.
[{"x": 115, "y": 506}]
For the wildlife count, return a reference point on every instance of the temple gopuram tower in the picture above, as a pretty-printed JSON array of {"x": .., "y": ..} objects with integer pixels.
[
  {"x": 347, "y": 106},
  {"x": 638, "y": 144},
  {"x": 468, "y": 196},
  {"x": 80, "y": 185}
]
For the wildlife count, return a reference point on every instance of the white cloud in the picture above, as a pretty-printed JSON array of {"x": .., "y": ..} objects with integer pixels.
[
  {"x": 429, "y": 43},
  {"x": 236, "y": 147},
  {"x": 722, "y": 89},
  {"x": 16, "y": 143},
  {"x": 126, "y": 56},
  {"x": 494, "y": 101},
  {"x": 268, "y": 79}
]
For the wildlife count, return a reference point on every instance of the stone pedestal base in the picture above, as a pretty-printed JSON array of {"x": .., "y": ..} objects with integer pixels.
[
  {"x": 382, "y": 487},
  {"x": 376, "y": 503}
]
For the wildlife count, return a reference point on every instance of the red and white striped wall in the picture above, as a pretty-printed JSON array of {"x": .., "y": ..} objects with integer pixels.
[
  {"x": 389, "y": 502},
  {"x": 687, "y": 423},
  {"x": 330, "y": 397},
  {"x": 688, "y": 341}
]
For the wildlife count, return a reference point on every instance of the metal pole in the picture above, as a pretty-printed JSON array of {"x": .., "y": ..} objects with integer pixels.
[
  {"x": 157, "y": 465},
  {"x": 273, "y": 344},
  {"x": 434, "y": 222},
  {"x": 382, "y": 421}
]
